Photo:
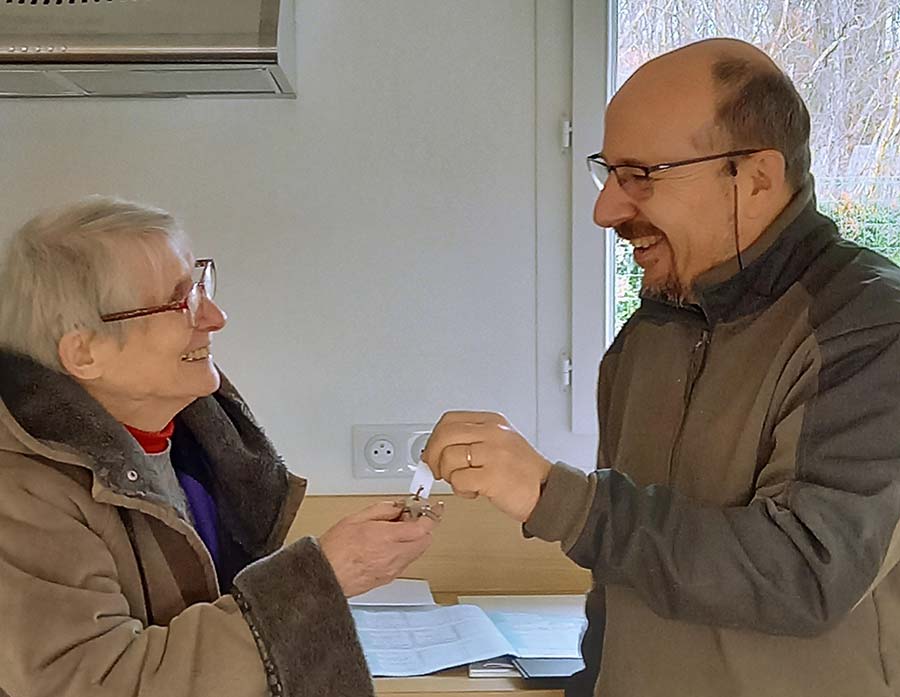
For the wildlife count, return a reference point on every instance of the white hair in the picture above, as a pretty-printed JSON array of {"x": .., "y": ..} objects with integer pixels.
[{"x": 65, "y": 268}]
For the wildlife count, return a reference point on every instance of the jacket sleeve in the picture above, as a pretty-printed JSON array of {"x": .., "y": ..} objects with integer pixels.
[
  {"x": 820, "y": 531},
  {"x": 67, "y": 629}
]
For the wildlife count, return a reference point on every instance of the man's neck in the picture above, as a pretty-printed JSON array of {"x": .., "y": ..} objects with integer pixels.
[{"x": 752, "y": 229}]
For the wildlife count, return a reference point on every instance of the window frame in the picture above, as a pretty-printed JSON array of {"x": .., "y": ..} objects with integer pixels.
[
  {"x": 594, "y": 283},
  {"x": 594, "y": 41}
]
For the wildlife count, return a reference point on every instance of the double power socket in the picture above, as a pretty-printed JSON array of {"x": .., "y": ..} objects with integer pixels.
[{"x": 386, "y": 451}]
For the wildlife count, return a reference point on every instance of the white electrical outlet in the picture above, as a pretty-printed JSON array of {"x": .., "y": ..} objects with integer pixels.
[
  {"x": 388, "y": 450},
  {"x": 380, "y": 452},
  {"x": 418, "y": 446}
]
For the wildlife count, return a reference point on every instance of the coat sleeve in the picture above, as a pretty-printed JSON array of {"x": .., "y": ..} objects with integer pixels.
[
  {"x": 820, "y": 531},
  {"x": 67, "y": 629}
]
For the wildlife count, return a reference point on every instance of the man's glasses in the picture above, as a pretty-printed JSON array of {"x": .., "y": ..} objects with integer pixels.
[
  {"x": 636, "y": 180},
  {"x": 204, "y": 286}
]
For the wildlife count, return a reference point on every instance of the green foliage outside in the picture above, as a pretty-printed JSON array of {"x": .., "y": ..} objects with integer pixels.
[
  {"x": 868, "y": 224},
  {"x": 628, "y": 283},
  {"x": 872, "y": 225}
]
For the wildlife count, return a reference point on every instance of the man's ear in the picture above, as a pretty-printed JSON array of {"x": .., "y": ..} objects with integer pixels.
[
  {"x": 767, "y": 175},
  {"x": 80, "y": 354}
]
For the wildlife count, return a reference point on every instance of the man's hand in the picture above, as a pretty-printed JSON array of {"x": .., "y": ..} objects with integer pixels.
[
  {"x": 481, "y": 454},
  {"x": 371, "y": 548}
]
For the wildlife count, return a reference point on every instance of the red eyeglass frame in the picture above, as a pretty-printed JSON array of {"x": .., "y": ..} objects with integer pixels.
[{"x": 176, "y": 305}]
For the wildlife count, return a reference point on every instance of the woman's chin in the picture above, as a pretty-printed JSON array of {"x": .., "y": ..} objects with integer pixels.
[{"x": 204, "y": 377}]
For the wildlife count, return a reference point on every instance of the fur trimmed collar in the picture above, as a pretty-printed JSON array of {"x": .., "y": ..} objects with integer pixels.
[{"x": 250, "y": 478}]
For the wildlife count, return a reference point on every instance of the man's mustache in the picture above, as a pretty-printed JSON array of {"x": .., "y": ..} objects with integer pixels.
[{"x": 632, "y": 230}]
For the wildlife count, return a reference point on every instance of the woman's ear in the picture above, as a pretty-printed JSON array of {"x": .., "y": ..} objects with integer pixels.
[{"x": 79, "y": 355}]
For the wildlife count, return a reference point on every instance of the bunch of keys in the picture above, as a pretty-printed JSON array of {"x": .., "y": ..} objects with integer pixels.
[{"x": 417, "y": 504}]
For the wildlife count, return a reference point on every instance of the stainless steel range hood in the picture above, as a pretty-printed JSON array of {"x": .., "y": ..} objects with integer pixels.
[{"x": 146, "y": 48}]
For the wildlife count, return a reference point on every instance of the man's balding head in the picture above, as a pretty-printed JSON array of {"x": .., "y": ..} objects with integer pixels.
[
  {"x": 707, "y": 146},
  {"x": 720, "y": 94}
]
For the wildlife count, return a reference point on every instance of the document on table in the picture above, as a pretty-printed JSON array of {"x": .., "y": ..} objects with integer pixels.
[
  {"x": 536, "y": 626},
  {"x": 422, "y": 640},
  {"x": 500, "y": 667},
  {"x": 399, "y": 592}
]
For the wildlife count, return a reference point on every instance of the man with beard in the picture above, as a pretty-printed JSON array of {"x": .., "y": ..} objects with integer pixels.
[{"x": 742, "y": 522}]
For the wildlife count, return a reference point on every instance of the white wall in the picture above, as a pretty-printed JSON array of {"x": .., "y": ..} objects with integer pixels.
[{"x": 378, "y": 239}]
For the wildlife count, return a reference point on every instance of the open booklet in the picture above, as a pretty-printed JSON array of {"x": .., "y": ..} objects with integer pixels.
[{"x": 422, "y": 639}]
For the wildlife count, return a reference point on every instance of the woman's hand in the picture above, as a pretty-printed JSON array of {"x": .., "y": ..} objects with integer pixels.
[{"x": 372, "y": 547}]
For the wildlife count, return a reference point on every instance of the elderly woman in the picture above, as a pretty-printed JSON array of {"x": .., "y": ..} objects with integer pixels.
[{"x": 142, "y": 510}]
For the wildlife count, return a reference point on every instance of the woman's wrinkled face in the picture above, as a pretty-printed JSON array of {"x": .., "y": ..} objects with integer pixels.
[{"x": 165, "y": 363}]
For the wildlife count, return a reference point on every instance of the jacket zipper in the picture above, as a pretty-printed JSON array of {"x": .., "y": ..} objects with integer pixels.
[{"x": 695, "y": 369}]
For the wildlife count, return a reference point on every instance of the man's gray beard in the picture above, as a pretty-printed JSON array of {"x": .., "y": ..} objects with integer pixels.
[{"x": 670, "y": 291}]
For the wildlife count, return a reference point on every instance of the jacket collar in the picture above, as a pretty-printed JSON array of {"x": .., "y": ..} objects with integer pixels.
[
  {"x": 50, "y": 414},
  {"x": 772, "y": 264}
]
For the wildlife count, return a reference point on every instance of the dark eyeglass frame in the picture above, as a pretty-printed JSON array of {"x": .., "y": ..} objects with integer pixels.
[
  {"x": 199, "y": 290},
  {"x": 597, "y": 159}
]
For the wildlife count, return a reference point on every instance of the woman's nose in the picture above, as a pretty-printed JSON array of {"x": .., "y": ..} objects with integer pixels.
[{"x": 210, "y": 317}]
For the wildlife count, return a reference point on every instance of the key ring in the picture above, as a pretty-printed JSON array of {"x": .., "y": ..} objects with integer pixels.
[{"x": 414, "y": 507}]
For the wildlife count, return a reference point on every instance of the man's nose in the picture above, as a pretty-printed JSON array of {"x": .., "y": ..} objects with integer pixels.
[
  {"x": 613, "y": 206},
  {"x": 210, "y": 317}
]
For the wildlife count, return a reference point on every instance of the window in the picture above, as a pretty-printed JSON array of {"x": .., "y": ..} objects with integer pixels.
[{"x": 844, "y": 57}]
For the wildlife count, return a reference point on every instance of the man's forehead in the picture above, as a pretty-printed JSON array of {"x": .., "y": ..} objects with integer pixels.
[
  {"x": 660, "y": 147},
  {"x": 649, "y": 126}
]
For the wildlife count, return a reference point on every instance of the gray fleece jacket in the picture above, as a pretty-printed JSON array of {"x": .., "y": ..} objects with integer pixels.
[{"x": 742, "y": 522}]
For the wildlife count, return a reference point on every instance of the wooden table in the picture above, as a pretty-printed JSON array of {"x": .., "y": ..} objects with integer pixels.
[
  {"x": 476, "y": 551},
  {"x": 457, "y": 683}
]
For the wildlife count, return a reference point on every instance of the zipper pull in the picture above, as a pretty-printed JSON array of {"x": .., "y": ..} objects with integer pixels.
[{"x": 701, "y": 342}]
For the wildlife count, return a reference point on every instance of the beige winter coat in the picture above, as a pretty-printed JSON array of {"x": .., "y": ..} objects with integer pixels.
[{"x": 107, "y": 589}]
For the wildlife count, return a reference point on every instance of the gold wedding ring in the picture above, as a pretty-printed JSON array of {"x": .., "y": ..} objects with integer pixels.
[{"x": 468, "y": 456}]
